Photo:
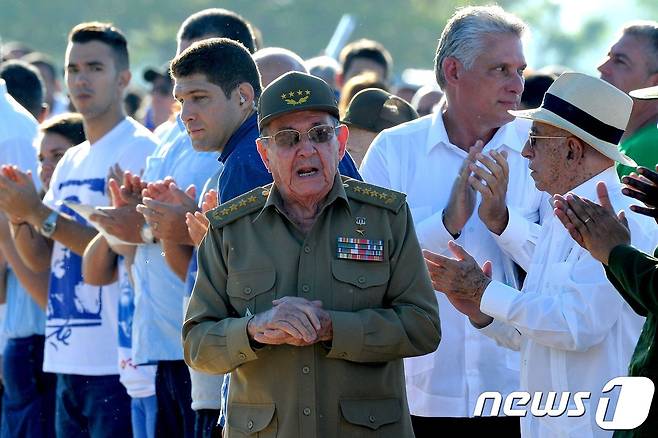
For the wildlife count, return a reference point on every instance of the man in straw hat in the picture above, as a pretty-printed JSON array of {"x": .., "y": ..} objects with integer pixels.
[
  {"x": 605, "y": 234},
  {"x": 574, "y": 331}
]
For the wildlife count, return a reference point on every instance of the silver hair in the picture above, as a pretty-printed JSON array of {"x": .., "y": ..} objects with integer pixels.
[
  {"x": 649, "y": 31},
  {"x": 464, "y": 34}
]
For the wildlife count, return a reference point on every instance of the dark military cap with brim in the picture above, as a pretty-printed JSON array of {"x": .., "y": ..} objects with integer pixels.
[
  {"x": 374, "y": 110},
  {"x": 295, "y": 91}
]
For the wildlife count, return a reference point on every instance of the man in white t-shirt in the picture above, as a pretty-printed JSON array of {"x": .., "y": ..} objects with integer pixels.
[
  {"x": 479, "y": 66},
  {"x": 81, "y": 337}
]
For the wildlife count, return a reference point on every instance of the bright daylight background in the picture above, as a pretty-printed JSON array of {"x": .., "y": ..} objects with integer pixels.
[{"x": 576, "y": 34}]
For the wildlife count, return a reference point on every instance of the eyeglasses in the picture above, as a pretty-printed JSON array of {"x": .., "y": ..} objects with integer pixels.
[
  {"x": 287, "y": 138},
  {"x": 532, "y": 139}
]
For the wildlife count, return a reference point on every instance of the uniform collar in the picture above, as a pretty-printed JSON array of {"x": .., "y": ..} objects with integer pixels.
[{"x": 275, "y": 202}]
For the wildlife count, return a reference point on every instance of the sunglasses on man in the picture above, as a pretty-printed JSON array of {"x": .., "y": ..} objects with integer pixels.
[{"x": 288, "y": 138}]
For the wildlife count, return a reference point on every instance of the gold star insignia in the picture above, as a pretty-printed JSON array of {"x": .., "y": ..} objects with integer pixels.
[
  {"x": 390, "y": 199},
  {"x": 243, "y": 202},
  {"x": 234, "y": 207},
  {"x": 252, "y": 198},
  {"x": 225, "y": 211},
  {"x": 357, "y": 189},
  {"x": 383, "y": 196},
  {"x": 283, "y": 96},
  {"x": 299, "y": 92},
  {"x": 308, "y": 92},
  {"x": 291, "y": 94},
  {"x": 366, "y": 191}
]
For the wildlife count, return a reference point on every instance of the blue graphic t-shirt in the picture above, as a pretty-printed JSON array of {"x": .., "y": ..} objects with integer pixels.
[
  {"x": 81, "y": 318},
  {"x": 139, "y": 380}
]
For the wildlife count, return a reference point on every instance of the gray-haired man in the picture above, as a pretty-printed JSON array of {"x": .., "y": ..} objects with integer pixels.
[{"x": 472, "y": 145}]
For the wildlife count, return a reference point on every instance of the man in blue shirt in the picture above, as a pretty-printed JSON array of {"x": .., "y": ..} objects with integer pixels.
[{"x": 182, "y": 160}]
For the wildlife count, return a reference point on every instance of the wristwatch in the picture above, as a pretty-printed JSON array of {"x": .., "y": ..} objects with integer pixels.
[
  {"x": 146, "y": 234},
  {"x": 49, "y": 225}
]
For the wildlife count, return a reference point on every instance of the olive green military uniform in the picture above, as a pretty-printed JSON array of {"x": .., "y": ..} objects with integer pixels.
[{"x": 382, "y": 307}]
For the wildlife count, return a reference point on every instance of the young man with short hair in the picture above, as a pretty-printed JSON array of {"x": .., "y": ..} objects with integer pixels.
[{"x": 81, "y": 342}]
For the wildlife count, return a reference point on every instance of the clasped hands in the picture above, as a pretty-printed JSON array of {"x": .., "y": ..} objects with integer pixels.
[{"x": 293, "y": 321}]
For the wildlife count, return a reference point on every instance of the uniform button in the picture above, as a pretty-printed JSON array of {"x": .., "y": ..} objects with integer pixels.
[
  {"x": 306, "y": 370},
  {"x": 250, "y": 424},
  {"x": 247, "y": 290},
  {"x": 242, "y": 356},
  {"x": 307, "y": 411},
  {"x": 307, "y": 249},
  {"x": 371, "y": 418},
  {"x": 361, "y": 279},
  {"x": 306, "y": 287}
]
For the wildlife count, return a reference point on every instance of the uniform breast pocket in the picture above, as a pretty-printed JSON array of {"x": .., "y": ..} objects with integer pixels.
[
  {"x": 252, "y": 289},
  {"x": 371, "y": 418},
  {"x": 359, "y": 284}
]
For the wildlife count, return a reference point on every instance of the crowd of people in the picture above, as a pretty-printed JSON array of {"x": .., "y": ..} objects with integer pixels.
[{"x": 272, "y": 246}]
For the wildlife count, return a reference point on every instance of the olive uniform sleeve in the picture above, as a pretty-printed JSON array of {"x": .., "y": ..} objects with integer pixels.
[
  {"x": 215, "y": 338},
  {"x": 408, "y": 322},
  {"x": 635, "y": 275}
]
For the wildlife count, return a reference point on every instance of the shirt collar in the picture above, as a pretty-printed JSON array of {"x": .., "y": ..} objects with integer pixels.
[
  {"x": 506, "y": 135},
  {"x": 275, "y": 201},
  {"x": 239, "y": 135},
  {"x": 588, "y": 188}
]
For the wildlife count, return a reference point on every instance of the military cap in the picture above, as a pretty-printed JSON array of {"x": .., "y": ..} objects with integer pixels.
[
  {"x": 295, "y": 91},
  {"x": 374, "y": 110}
]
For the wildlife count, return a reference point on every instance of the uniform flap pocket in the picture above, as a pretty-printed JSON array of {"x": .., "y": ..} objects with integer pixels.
[
  {"x": 371, "y": 413},
  {"x": 248, "y": 284},
  {"x": 361, "y": 274},
  {"x": 250, "y": 418}
]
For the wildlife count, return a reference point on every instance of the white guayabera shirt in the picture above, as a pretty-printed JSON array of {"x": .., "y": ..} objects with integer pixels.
[
  {"x": 573, "y": 329},
  {"x": 418, "y": 159}
]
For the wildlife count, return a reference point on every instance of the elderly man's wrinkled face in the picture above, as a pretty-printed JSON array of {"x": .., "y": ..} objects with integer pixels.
[
  {"x": 303, "y": 170},
  {"x": 548, "y": 153}
]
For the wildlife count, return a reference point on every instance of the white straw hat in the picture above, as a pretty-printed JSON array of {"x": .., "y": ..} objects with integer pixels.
[
  {"x": 589, "y": 108},
  {"x": 645, "y": 93}
]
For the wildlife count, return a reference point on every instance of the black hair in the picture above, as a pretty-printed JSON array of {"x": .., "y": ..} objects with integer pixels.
[
  {"x": 218, "y": 23},
  {"x": 366, "y": 49},
  {"x": 25, "y": 84},
  {"x": 107, "y": 34},
  {"x": 68, "y": 125},
  {"x": 224, "y": 62}
]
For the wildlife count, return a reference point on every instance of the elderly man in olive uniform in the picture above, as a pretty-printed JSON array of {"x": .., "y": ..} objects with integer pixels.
[{"x": 310, "y": 291}]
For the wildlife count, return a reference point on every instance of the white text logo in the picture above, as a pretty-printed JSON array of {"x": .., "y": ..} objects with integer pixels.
[{"x": 632, "y": 407}]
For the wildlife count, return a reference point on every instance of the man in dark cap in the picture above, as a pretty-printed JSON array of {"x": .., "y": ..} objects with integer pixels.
[
  {"x": 370, "y": 112},
  {"x": 317, "y": 276}
]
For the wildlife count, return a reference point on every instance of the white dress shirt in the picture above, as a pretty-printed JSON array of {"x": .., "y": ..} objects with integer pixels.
[
  {"x": 18, "y": 130},
  {"x": 575, "y": 332},
  {"x": 418, "y": 159}
]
